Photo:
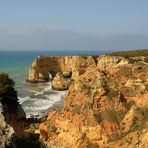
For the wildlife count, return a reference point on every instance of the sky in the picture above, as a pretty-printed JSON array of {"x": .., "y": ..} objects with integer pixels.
[{"x": 73, "y": 24}]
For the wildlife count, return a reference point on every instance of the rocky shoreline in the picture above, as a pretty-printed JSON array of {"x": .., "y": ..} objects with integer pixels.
[{"x": 106, "y": 104}]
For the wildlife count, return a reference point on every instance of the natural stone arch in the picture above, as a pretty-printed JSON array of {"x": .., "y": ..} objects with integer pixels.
[
  {"x": 69, "y": 66},
  {"x": 43, "y": 76}
]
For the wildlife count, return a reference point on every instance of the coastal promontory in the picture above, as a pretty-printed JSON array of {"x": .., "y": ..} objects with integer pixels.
[{"x": 106, "y": 104}]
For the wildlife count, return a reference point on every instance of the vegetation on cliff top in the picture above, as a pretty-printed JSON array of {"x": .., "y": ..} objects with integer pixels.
[
  {"x": 7, "y": 91},
  {"x": 131, "y": 53}
]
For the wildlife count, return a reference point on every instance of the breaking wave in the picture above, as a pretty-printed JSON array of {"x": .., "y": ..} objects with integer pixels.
[{"x": 40, "y": 99}]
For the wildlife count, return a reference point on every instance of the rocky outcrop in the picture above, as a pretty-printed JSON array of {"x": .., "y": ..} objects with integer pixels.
[
  {"x": 86, "y": 100},
  {"x": 80, "y": 64},
  {"x": 102, "y": 107},
  {"x": 69, "y": 66},
  {"x": 133, "y": 117},
  {"x": 6, "y": 131},
  {"x": 13, "y": 118},
  {"x": 59, "y": 83},
  {"x": 42, "y": 67},
  {"x": 106, "y": 62},
  {"x": 132, "y": 139},
  {"x": 13, "y": 131}
]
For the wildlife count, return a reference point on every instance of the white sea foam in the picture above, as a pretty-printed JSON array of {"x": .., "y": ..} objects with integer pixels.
[
  {"x": 22, "y": 99},
  {"x": 38, "y": 105},
  {"x": 39, "y": 93},
  {"x": 40, "y": 100},
  {"x": 47, "y": 89}
]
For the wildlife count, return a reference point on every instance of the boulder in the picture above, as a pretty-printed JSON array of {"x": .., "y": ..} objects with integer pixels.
[{"x": 59, "y": 83}]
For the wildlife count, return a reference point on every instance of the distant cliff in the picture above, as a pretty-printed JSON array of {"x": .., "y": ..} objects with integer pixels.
[{"x": 69, "y": 66}]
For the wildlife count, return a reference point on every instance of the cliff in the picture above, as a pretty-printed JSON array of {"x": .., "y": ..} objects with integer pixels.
[
  {"x": 68, "y": 66},
  {"x": 13, "y": 119},
  {"x": 106, "y": 105}
]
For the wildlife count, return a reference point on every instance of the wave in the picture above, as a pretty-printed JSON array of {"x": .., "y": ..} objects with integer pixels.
[
  {"x": 40, "y": 100},
  {"x": 22, "y": 99}
]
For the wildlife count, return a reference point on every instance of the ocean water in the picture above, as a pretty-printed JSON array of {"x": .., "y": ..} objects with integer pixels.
[{"x": 36, "y": 99}]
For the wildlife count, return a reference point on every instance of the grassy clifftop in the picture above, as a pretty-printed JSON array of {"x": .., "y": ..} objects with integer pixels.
[{"x": 131, "y": 53}]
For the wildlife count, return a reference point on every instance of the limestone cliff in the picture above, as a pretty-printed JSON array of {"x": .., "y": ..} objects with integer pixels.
[
  {"x": 106, "y": 62},
  {"x": 69, "y": 66},
  {"x": 6, "y": 131},
  {"x": 104, "y": 105},
  {"x": 13, "y": 119}
]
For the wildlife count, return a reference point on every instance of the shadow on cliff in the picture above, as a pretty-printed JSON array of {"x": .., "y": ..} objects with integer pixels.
[{"x": 15, "y": 116}]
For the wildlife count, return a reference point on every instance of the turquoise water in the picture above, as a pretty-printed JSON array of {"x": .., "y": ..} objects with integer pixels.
[
  {"x": 35, "y": 99},
  {"x": 16, "y": 63}
]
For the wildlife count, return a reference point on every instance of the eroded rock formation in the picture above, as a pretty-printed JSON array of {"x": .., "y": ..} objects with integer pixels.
[
  {"x": 68, "y": 66},
  {"x": 59, "y": 83},
  {"x": 13, "y": 119},
  {"x": 6, "y": 131},
  {"x": 106, "y": 62},
  {"x": 104, "y": 105}
]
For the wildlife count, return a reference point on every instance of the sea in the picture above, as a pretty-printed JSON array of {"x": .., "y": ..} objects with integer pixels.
[{"x": 36, "y": 99}]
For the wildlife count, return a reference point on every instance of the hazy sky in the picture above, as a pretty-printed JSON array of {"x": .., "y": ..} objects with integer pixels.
[{"x": 73, "y": 24}]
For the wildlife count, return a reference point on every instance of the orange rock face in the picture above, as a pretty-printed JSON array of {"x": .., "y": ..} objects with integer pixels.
[
  {"x": 69, "y": 66},
  {"x": 59, "y": 83},
  {"x": 103, "y": 106}
]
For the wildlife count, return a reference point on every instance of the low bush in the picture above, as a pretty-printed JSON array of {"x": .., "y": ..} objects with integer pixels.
[
  {"x": 131, "y": 53},
  {"x": 112, "y": 94},
  {"x": 7, "y": 91},
  {"x": 111, "y": 115}
]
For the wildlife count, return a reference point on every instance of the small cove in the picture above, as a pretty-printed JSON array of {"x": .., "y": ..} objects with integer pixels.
[{"x": 36, "y": 99}]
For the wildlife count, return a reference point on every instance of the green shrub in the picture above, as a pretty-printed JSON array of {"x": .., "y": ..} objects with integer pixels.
[
  {"x": 145, "y": 113},
  {"x": 91, "y": 145},
  {"x": 112, "y": 94},
  {"x": 139, "y": 68},
  {"x": 146, "y": 60},
  {"x": 129, "y": 104},
  {"x": 134, "y": 60},
  {"x": 146, "y": 87},
  {"x": 7, "y": 91},
  {"x": 52, "y": 128},
  {"x": 111, "y": 115},
  {"x": 5, "y": 80},
  {"x": 131, "y": 53}
]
